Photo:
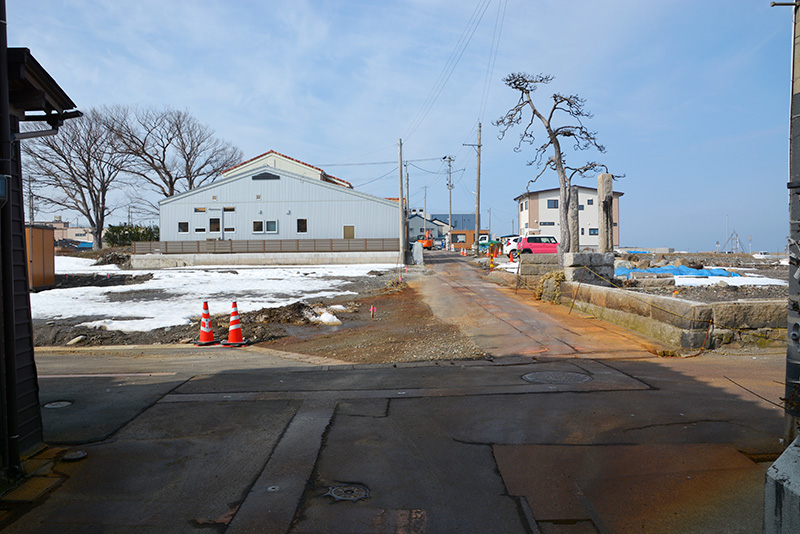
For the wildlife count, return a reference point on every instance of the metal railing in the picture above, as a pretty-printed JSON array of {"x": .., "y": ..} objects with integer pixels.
[{"x": 269, "y": 246}]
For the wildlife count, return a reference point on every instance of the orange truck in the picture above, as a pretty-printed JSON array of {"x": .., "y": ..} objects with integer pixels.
[{"x": 427, "y": 241}]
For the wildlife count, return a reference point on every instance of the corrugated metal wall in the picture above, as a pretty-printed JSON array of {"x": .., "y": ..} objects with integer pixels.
[{"x": 326, "y": 208}]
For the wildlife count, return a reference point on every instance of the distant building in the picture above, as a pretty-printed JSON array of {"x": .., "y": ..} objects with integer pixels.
[
  {"x": 276, "y": 197},
  {"x": 62, "y": 230},
  {"x": 538, "y": 213},
  {"x": 417, "y": 226},
  {"x": 461, "y": 221}
]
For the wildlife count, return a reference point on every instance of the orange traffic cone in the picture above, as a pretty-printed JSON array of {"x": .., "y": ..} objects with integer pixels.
[
  {"x": 235, "y": 330},
  {"x": 206, "y": 333}
]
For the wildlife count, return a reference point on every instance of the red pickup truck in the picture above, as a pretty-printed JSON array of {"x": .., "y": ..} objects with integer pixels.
[{"x": 536, "y": 244}]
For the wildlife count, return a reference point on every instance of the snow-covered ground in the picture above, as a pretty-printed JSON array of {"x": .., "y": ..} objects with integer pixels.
[
  {"x": 174, "y": 296},
  {"x": 745, "y": 279}
]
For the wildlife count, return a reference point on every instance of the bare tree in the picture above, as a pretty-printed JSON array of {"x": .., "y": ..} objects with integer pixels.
[
  {"x": 581, "y": 137},
  {"x": 78, "y": 168},
  {"x": 169, "y": 150}
]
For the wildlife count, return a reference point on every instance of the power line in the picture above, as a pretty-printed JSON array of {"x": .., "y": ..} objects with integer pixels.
[
  {"x": 498, "y": 30},
  {"x": 447, "y": 70},
  {"x": 373, "y": 163}
]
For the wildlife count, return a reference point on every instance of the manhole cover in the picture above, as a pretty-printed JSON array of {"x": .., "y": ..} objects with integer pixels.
[
  {"x": 58, "y": 404},
  {"x": 556, "y": 377},
  {"x": 348, "y": 492}
]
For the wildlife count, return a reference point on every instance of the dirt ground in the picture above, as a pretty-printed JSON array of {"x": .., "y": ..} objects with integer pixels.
[{"x": 401, "y": 329}]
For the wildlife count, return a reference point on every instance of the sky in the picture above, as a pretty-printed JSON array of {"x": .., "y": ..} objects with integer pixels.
[
  {"x": 174, "y": 296},
  {"x": 690, "y": 99}
]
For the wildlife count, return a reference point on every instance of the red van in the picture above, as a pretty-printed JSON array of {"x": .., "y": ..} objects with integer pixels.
[{"x": 537, "y": 244}]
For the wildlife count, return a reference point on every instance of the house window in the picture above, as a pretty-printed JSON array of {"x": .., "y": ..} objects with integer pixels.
[
  {"x": 580, "y": 207},
  {"x": 199, "y": 230},
  {"x": 302, "y": 226},
  {"x": 594, "y": 231},
  {"x": 213, "y": 225},
  {"x": 552, "y": 204},
  {"x": 547, "y": 223},
  {"x": 183, "y": 227},
  {"x": 199, "y": 210},
  {"x": 229, "y": 209},
  {"x": 258, "y": 227},
  {"x": 272, "y": 227},
  {"x": 590, "y": 201}
]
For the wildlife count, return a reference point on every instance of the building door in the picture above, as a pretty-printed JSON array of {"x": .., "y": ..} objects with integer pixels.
[{"x": 349, "y": 232}]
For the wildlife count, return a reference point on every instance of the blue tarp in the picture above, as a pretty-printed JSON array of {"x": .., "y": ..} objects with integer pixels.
[{"x": 675, "y": 270}]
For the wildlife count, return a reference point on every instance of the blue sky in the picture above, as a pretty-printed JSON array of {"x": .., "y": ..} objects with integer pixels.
[{"x": 691, "y": 99}]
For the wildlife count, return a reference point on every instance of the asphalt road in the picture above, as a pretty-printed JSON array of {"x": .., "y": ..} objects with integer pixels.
[{"x": 575, "y": 426}]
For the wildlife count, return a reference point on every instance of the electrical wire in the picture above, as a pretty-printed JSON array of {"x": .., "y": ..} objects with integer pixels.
[
  {"x": 498, "y": 30},
  {"x": 449, "y": 67}
]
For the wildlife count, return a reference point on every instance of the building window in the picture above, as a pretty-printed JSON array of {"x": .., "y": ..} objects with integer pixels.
[
  {"x": 302, "y": 226},
  {"x": 214, "y": 197},
  {"x": 552, "y": 204},
  {"x": 272, "y": 227},
  {"x": 459, "y": 238},
  {"x": 615, "y": 224},
  {"x": 258, "y": 227},
  {"x": 229, "y": 209},
  {"x": 349, "y": 231},
  {"x": 213, "y": 225},
  {"x": 580, "y": 207},
  {"x": 526, "y": 204},
  {"x": 590, "y": 201},
  {"x": 230, "y": 229},
  {"x": 582, "y": 229},
  {"x": 199, "y": 230},
  {"x": 199, "y": 210},
  {"x": 547, "y": 223},
  {"x": 526, "y": 225},
  {"x": 258, "y": 197},
  {"x": 183, "y": 227},
  {"x": 521, "y": 206},
  {"x": 594, "y": 231}
]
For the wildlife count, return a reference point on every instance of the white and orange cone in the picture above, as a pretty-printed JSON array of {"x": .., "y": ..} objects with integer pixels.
[
  {"x": 206, "y": 333},
  {"x": 235, "y": 330}
]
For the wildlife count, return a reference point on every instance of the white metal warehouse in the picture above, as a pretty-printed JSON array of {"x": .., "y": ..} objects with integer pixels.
[{"x": 275, "y": 197}]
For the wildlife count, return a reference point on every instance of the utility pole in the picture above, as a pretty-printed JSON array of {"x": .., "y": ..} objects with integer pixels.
[
  {"x": 490, "y": 222},
  {"x": 477, "y": 191},
  {"x": 792, "y": 391},
  {"x": 403, "y": 218},
  {"x": 449, "y": 160},
  {"x": 408, "y": 191},
  {"x": 425, "y": 211}
]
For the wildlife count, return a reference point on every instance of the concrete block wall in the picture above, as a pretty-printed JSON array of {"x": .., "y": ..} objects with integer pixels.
[
  {"x": 682, "y": 323},
  {"x": 589, "y": 267}
]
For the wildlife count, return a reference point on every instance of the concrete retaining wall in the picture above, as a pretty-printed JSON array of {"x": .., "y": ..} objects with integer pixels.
[
  {"x": 537, "y": 264},
  {"x": 679, "y": 322},
  {"x": 162, "y": 261}
]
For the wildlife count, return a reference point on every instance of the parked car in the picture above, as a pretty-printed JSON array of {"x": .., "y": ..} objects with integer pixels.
[
  {"x": 510, "y": 244},
  {"x": 537, "y": 244}
]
